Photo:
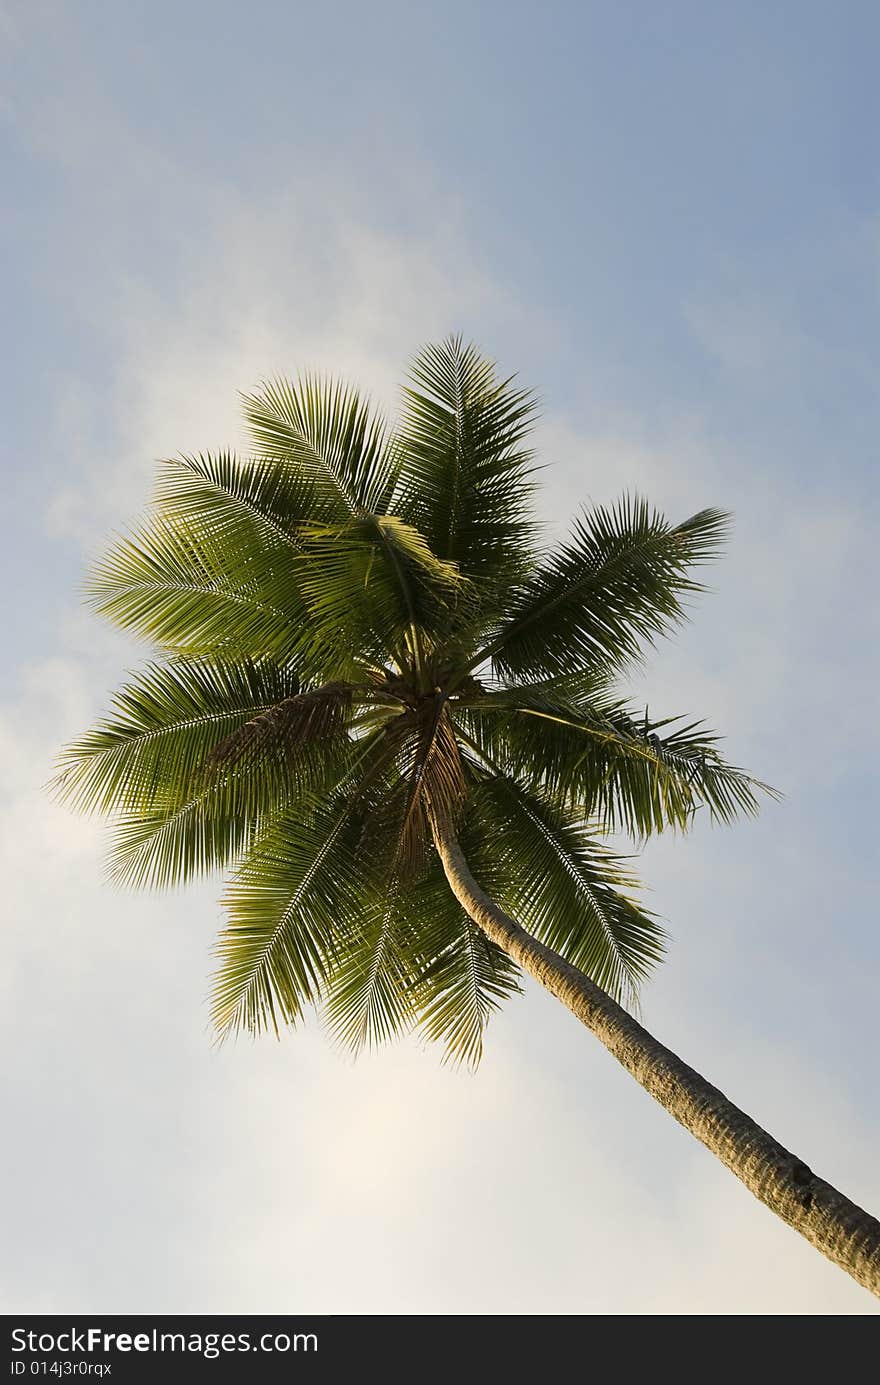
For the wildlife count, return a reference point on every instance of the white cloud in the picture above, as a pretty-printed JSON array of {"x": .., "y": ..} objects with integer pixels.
[{"x": 251, "y": 307}]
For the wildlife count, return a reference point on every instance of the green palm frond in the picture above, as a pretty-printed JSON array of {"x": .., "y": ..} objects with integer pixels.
[
  {"x": 304, "y": 884},
  {"x": 466, "y": 473},
  {"x": 371, "y": 991},
  {"x": 256, "y": 504},
  {"x": 331, "y": 437},
  {"x": 398, "y": 970},
  {"x": 372, "y": 585},
  {"x": 613, "y": 588},
  {"x": 595, "y": 754},
  {"x": 164, "y": 725},
  {"x": 289, "y": 906},
  {"x": 551, "y": 872},
  {"x": 417, "y": 962},
  {"x": 464, "y": 977},
  {"x": 147, "y": 765},
  {"x": 168, "y": 843},
  {"x": 189, "y": 591}
]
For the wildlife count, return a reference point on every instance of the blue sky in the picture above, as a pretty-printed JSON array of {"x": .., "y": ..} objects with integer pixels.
[{"x": 667, "y": 219}]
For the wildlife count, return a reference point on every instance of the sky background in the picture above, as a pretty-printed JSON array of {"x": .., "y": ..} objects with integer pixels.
[{"x": 666, "y": 218}]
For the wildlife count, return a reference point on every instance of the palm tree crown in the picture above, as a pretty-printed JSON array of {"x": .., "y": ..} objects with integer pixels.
[{"x": 359, "y": 636}]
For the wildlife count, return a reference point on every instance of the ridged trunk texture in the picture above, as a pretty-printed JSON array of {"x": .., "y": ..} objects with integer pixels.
[{"x": 829, "y": 1221}]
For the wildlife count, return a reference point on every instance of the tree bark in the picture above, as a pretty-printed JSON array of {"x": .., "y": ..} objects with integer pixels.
[{"x": 846, "y": 1234}]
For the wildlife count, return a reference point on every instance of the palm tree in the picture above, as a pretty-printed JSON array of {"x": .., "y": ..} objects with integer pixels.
[{"x": 393, "y": 717}]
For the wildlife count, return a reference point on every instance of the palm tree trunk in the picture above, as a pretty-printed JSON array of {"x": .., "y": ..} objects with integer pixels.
[{"x": 837, "y": 1227}]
